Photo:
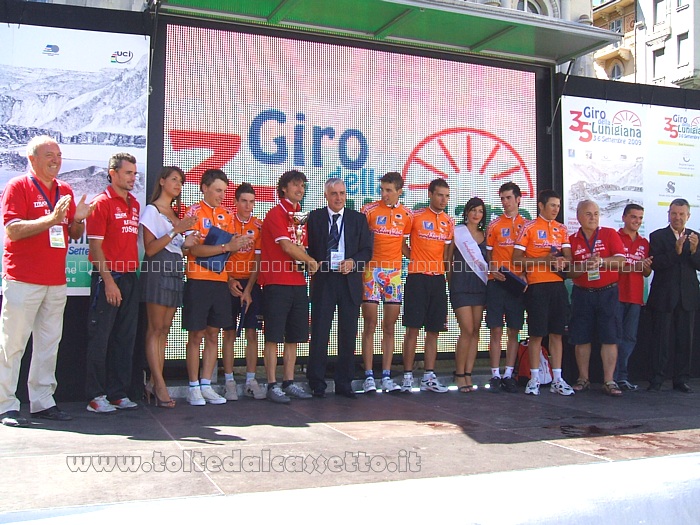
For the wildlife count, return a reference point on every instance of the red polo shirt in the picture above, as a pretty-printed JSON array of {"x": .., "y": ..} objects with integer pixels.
[
  {"x": 32, "y": 259},
  {"x": 607, "y": 244},
  {"x": 116, "y": 223},
  {"x": 631, "y": 284},
  {"x": 276, "y": 267}
]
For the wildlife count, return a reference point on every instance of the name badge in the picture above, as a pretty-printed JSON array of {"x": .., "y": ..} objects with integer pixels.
[
  {"x": 336, "y": 258},
  {"x": 56, "y": 238},
  {"x": 593, "y": 275}
]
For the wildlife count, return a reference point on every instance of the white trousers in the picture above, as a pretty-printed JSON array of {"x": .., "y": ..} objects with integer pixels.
[{"x": 37, "y": 310}]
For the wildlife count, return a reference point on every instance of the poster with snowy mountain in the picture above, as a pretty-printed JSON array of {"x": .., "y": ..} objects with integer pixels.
[{"x": 86, "y": 89}]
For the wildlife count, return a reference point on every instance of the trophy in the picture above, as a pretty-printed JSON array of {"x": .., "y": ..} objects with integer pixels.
[{"x": 299, "y": 219}]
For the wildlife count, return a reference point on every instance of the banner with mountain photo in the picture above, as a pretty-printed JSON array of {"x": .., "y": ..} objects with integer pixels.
[{"x": 86, "y": 89}]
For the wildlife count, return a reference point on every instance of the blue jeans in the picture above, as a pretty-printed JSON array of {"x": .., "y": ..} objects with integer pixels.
[{"x": 629, "y": 313}]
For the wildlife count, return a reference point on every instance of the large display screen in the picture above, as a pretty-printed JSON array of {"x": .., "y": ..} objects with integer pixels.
[{"x": 256, "y": 106}]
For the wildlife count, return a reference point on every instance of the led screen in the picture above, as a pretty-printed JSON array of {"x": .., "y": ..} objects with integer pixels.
[{"x": 256, "y": 106}]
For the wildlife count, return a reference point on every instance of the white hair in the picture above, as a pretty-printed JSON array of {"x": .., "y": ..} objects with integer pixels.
[
  {"x": 38, "y": 141},
  {"x": 332, "y": 182},
  {"x": 585, "y": 203}
]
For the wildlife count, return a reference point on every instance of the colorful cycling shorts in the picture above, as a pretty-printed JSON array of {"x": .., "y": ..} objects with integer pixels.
[{"x": 382, "y": 284}]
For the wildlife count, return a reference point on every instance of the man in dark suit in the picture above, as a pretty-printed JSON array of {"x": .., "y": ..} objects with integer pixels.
[
  {"x": 339, "y": 239},
  {"x": 674, "y": 295}
]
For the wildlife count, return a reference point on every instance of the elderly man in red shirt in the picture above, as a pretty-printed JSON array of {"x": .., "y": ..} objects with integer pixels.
[{"x": 597, "y": 257}]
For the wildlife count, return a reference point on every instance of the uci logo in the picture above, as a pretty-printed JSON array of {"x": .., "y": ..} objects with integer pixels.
[{"x": 121, "y": 57}]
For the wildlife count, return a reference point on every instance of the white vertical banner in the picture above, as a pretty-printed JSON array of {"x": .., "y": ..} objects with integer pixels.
[{"x": 88, "y": 90}]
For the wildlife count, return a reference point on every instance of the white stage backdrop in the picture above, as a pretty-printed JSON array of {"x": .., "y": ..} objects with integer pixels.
[{"x": 88, "y": 90}]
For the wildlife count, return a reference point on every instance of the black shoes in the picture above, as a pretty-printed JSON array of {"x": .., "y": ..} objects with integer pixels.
[
  {"x": 654, "y": 387},
  {"x": 346, "y": 393},
  {"x": 683, "y": 387},
  {"x": 53, "y": 414},
  {"x": 12, "y": 418},
  {"x": 318, "y": 393},
  {"x": 510, "y": 385}
]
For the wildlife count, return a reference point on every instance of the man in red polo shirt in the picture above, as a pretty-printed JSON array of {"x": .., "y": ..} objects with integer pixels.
[
  {"x": 597, "y": 257},
  {"x": 38, "y": 212},
  {"x": 114, "y": 293},
  {"x": 631, "y": 288},
  {"x": 285, "y": 297}
]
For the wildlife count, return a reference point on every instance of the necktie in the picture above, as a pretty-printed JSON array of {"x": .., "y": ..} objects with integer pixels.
[{"x": 333, "y": 236}]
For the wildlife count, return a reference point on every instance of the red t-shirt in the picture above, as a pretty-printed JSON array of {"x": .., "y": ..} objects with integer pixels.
[
  {"x": 276, "y": 267},
  {"x": 607, "y": 244},
  {"x": 631, "y": 284},
  {"x": 116, "y": 222},
  {"x": 32, "y": 259}
]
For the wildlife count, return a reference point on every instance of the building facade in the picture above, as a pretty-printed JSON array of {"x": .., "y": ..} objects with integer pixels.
[{"x": 659, "y": 42}]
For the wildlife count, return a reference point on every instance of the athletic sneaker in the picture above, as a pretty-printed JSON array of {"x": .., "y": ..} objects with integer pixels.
[
  {"x": 509, "y": 385},
  {"x": 562, "y": 388},
  {"x": 296, "y": 392},
  {"x": 124, "y": 404},
  {"x": 369, "y": 385},
  {"x": 194, "y": 397},
  {"x": 389, "y": 386},
  {"x": 101, "y": 406},
  {"x": 407, "y": 384},
  {"x": 254, "y": 390},
  {"x": 276, "y": 395},
  {"x": 495, "y": 385},
  {"x": 626, "y": 385},
  {"x": 231, "y": 393},
  {"x": 210, "y": 396},
  {"x": 431, "y": 384},
  {"x": 533, "y": 387}
]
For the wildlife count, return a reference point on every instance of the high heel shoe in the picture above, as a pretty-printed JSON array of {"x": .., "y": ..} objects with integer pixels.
[
  {"x": 148, "y": 392},
  {"x": 162, "y": 403}
]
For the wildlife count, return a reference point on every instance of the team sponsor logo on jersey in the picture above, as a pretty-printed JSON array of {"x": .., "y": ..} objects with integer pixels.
[
  {"x": 381, "y": 220},
  {"x": 505, "y": 232},
  {"x": 206, "y": 223},
  {"x": 427, "y": 225},
  {"x": 541, "y": 234}
]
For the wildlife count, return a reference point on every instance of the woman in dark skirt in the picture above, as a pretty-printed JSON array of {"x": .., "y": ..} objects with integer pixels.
[
  {"x": 162, "y": 282},
  {"x": 468, "y": 274}
]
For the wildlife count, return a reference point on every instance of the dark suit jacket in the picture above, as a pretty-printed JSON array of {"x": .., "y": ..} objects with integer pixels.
[
  {"x": 674, "y": 278},
  {"x": 358, "y": 246}
]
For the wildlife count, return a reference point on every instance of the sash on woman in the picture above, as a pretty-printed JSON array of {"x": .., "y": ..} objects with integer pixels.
[{"x": 471, "y": 252}]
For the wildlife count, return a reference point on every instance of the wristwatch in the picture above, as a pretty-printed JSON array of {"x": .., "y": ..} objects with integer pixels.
[{"x": 171, "y": 233}]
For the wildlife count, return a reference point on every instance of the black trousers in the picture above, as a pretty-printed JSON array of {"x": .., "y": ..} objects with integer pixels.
[
  {"x": 111, "y": 336},
  {"x": 332, "y": 293},
  {"x": 681, "y": 323}
]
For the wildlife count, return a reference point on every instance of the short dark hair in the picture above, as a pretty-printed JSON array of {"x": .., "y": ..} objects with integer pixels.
[
  {"x": 286, "y": 178},
  {"x": 679, "y": 202},
  {"x": 209, "y": 176},
  {"x": 472, "y": 203},
  {"x": 544, "y": 196},
  {"x": 245, "y": 187},
  {"x": 115, "y": 161},
  {"x": 510, "y": 186},
  {"x": 393, "y": 177},
  {"x": 631, "y": 207},
  {"x": 437, "y": 183}
]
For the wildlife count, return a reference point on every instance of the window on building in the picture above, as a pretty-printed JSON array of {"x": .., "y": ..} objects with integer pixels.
[
  {"x": 683, "y": 50},
  {"x": 659, "y": 11},
  {"x": 682, "y": 3},
  {"x": 616, "y": 25},
  {"x": 530, "y": 6},
  {"x": 659, "y": 63},
  {"x": 616, "y": 71}
]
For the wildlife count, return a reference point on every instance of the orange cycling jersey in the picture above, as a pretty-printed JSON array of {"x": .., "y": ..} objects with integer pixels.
[
  {"x": 500, "y": 239},
  {"x": 242, "y": 263},
  {"x": 389, "y": 225},
  {"x": 430, "y": 233},
  {"x": 206, "y": 218},
  {"x": 539, "y": 238}
]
